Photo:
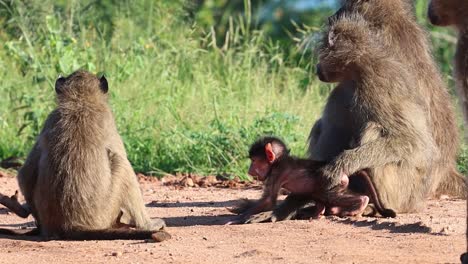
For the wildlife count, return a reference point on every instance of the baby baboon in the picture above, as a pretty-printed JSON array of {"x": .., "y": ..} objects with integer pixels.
[
  {"x": 410, "y": 47},
  {"x": 455, "y": 13},
  {"x": 77, "y": 179},
  {"x": 272, "y": 164},
  {"x": 393, "y": 139}
]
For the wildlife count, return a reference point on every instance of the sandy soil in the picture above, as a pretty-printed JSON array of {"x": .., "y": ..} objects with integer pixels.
[{"x": 195, "y": 216}]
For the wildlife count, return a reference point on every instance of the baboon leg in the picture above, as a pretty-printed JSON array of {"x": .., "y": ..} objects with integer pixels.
[
  {"x": 133, "y": 201},
  {"x": 453, "y": 185},
  {"x": 401, "y": 189},
  {"x": 348, "y": 205}
]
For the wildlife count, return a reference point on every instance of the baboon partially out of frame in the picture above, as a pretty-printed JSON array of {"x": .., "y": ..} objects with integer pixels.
[
  {"x": 455, "y": 13},
  {"x": 77, "y": 180},
  {"x": 394, "y": 24},
  {"x": 393, "y": 141}
]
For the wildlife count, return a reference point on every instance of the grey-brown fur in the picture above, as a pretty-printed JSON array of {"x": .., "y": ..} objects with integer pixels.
[
  {"x": 455, "y": 13},
  {"x": 397, "y": 30},
  {"x": 77, "y": 179},
  {"x": 391, "y": 128}
]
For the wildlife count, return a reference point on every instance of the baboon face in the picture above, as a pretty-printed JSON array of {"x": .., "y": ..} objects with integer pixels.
[
  {"x": 341, "y": 48},
  {"x": 447, "y": 12},
  {"x": 81, "y": 84}
]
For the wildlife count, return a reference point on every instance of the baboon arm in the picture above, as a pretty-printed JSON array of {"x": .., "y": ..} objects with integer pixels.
[
  {"x": 126, "y": 183},
  {"x": 27, "y": 175},
  {"x": 290, "y": 207},
  {"x": 379, "y": 152}
]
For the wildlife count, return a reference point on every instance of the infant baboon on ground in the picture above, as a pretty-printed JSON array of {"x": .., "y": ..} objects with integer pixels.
[
  {"x": 387, "y": 19},
  {"x": 391, "y": 126},
  {"x": 272, "y": 164},
  {"x": 77, "y": 179}
]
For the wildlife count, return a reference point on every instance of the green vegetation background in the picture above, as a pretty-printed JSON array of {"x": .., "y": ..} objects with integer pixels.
[{"x": 192, "y": 83}]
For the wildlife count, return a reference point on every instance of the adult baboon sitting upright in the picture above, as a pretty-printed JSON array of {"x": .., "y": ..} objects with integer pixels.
[
  {"x": 394, "y": 24},
  {"x": 77, "y": 180},
  {"x": 393, "y": 142}
]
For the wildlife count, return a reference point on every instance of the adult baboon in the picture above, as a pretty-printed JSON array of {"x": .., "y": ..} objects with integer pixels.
[
  {"x": 455, "y": 13},
  {"x": 77, "y": 180},
  {"x": 391, "y": 126},
  {"x": 394, "y": 23}
]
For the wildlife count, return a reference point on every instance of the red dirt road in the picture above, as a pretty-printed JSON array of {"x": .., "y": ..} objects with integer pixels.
[{"x": 195, "y": 215}]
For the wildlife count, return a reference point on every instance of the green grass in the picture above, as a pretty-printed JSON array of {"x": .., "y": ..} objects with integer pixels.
[{"x": 182, "y": 103}]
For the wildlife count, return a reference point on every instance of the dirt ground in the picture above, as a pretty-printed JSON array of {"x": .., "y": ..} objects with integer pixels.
[{"x": 195, "y": 215}]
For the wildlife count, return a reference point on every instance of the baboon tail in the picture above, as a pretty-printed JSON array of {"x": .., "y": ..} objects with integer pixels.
[
  {"x": 372, "y": 193},
  {"x": 113, "y": 234},
  {"x": 454, "y": 185}
]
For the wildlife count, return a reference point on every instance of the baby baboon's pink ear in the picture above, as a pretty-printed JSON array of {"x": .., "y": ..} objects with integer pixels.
[{"x": 270, "y": 155}]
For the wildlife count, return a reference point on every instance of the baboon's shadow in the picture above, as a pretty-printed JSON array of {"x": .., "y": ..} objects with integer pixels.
[
  {"x": 393, "y": 227},
  {"x": 219, "y": 219},
  {"x": 194, "y": 204},
  {"x": 204, "y": 220},
  {"x": 22, "y": 228}
]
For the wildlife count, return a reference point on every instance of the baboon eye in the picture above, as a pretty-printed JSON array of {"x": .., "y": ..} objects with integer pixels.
[
  {"x": 59, "y": 84},
  {"x": 103, "y": 84}
]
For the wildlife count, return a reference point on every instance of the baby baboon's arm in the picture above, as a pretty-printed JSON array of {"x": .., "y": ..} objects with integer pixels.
[{"x": 287, "y": 210}]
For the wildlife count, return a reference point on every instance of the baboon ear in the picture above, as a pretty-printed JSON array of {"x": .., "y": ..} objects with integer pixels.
[
  {"x": 103, "y": 84},
  {"x": 269, "y": 153},
  {"x": 59, "y": 84}
]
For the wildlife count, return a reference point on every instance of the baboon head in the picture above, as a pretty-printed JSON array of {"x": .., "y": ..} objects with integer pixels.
[
  {"x": 81, "y": 84},
  {"x": 447, "y": 12},
  {"x": 343, "y": 47},
  {"x": 376, "y": 12},
  {"x": 263, "y": 153}
]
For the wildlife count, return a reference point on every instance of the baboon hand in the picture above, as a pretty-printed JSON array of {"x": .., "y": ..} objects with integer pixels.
[
  {"x": 251, "y": 219},
  {"x": 261, "y": 217},
  {"x": 335, "y": 178}
]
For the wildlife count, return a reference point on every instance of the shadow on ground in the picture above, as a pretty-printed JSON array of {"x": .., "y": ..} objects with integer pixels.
[
  {"x": 393, "y": 227},
  {"x": 205, "y": 220},
  {"x": 229, "y": 203}
]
